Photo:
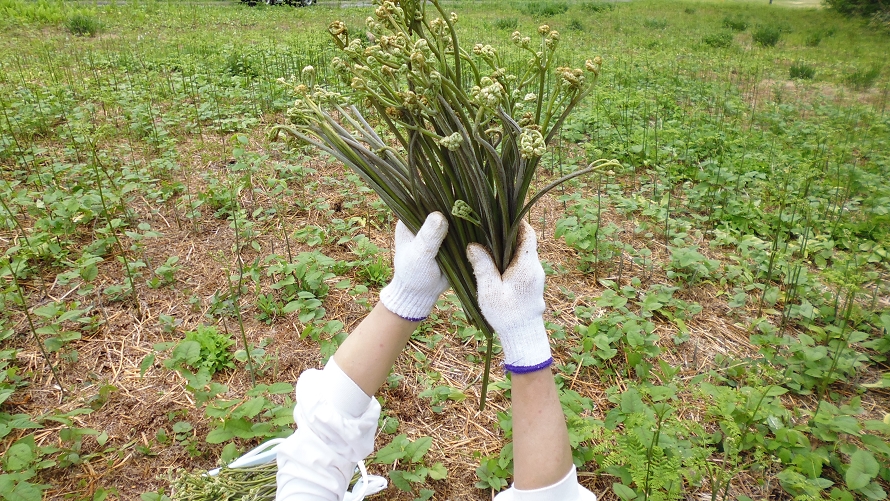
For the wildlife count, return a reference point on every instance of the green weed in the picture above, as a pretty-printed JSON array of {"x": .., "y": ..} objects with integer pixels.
[
  {"x": 506, "y": 23},
  {"x": 718, "y": 40},
  {"x": 83, "y": 25},
  {"x": 543, "y": 9},
  {"x": 802, "y": 71},
  {"x": 863, "y": 78},
  {"x": 735, "y": 23},
  {"x": 597, "y": 7},
  {"x": 766, "y": 36}
]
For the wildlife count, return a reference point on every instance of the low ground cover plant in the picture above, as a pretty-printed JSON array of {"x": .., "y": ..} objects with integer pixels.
[{"x": 722, "y": 294}]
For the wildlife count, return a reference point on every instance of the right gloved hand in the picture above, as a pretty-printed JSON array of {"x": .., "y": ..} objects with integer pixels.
[{"x": 513, "y": 304}]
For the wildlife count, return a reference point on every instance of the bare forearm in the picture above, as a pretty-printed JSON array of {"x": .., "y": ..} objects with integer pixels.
[
  {"x": 541, "y": 451},
  {"x": 370, "y": 351}
]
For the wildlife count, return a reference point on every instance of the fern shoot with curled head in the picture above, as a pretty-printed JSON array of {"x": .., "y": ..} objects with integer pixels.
[{"x": 466, "y": 136}]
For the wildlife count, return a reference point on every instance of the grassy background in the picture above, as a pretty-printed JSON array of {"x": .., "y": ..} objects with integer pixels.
[{"x": 751, "y": 211}]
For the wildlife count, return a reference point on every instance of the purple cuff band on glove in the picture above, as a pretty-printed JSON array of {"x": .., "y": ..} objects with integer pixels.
[{"x": 519, "y": 369}]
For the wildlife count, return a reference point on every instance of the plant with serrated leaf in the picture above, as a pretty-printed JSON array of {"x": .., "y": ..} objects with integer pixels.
[{"x": 464, "y": 136}]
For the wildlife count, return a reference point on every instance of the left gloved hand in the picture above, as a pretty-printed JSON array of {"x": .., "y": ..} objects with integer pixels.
[{"x": 417, "y": 281}]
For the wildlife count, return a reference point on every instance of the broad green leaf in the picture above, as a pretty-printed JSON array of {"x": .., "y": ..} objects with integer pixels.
[
  {"x": 392, "y": 452},
  {"x": 863, "y": 468},
  {"x": 438, "y": 471},
  {"x": 187, "y": 351},
  {"x": 398, "y": 479},
  {"x": 20, "y": 454},
  {"x": 219, "y": 436},
  {"x": 414, "y": 452},
  {"x": 250, "y": 408},
  {"x": 873, "y": 491},
  {"x": 624, "y": 492}
]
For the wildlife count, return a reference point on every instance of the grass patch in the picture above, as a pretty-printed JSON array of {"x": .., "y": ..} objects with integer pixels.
[
  {"x": 543, "y": 9},
  {"x": 767, "y": 36},
  {"x": 596, "y": 7},
  {"x": 720, "y": 40},
  {"x": 655, "y": 23},
  {"x": 506, "y": 23},
  {"x": 83, "y": 25},
  {"x": 802, "y": 71},
  {"x": 735, "y": 23},
  {"x": 864, "y": 78}
]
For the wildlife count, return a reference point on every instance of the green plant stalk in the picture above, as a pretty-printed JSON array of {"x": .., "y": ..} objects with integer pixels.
[
  {"x": 120, "y": 246},
  {"x": 848, "y": 310},
  {"x": 237, "y": 297},
  {"x": 33, "y": 330}
]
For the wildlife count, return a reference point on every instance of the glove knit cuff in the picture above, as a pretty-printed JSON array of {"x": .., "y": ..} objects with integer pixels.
[
  {"x": 406, "y": 302},
  {"x": 526, "y": 348}
]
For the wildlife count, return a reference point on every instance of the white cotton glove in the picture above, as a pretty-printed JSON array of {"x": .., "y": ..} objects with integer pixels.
[
  {"x": 514, "y": 303},
  {"x": 417, "y": 281},
  {"x": 336, "y": 424}
]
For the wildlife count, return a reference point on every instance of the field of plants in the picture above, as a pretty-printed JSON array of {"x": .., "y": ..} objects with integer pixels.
[{"x": 719, "y": 305}]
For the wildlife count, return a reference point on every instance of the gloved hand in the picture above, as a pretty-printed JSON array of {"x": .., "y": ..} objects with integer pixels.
[
  {"x": 514, "y": 303},
  {"x": 417, "y": 281}
]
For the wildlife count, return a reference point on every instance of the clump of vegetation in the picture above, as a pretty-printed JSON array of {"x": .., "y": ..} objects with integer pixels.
[
  {"x": 801, "y": 70},
  {"x": 864, "y": 78},
  {"x": 720, "y": 39},
  {"x": 543, "y": 9},
  {"x": 735, "y": 23},
  {"x": 203, "y": 349},
  {"x": 576, "y": 25},
  {"x": 83, "y": 25},
  {"x": 240, "y": 65},
  {"x": 767, "y": 36},
  {"x": 689, "y": 10},
  {"x": 598, "y": 6},
  {"x": 863, "y": 8},
  {"x": 655, "y": 23},
  {"x": 506, "y": 23}
]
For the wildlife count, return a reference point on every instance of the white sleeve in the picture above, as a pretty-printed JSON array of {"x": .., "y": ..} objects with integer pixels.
[
  {"x": 567, "y": 489},
  {"x": 336, "y": 423}
]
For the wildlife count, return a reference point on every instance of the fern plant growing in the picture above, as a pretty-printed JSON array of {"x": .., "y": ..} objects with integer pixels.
[{"x": 464, "y": 136}]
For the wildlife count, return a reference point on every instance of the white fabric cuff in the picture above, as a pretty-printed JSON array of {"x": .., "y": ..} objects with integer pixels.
[
  {"x": 407, "y": 302},
  {"x": 345, "y": 395},
  {"x": 567, "y": 489},
  {"x": 527, "y": 348}
]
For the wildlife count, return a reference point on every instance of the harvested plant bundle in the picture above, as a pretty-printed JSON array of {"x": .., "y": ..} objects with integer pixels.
[
  {"x": 256, "y": 483},
  {"x": 464, "y": 137}
]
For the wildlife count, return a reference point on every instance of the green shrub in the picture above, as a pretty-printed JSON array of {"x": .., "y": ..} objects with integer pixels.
[
  {"x": 506, "y": 23},
  {"x": 689, "y": 10},
  {"x": 576, "y": 25},
  {"x": 802, "y": 71},
  {"x": 767, "y": 36},
  {"x": 862, "y": 79},
  {"x": 857, "y": 7},
  {"x": 597, "y": 6},
  {"x": 655, "y": 24},
  {"x": 83, "y": 25},
  {"x": 720, "y": 40},
  {"x": 735, "y": 23},
  {"x": 238, "y": 64},
  {"x": 814, "y": 39},
  {"x": 204, "y": 348},
  {"x": 543, "y": 9}
]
